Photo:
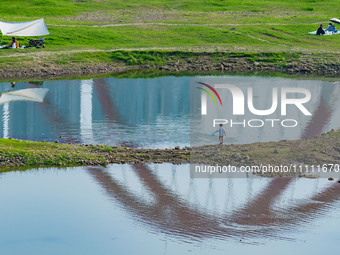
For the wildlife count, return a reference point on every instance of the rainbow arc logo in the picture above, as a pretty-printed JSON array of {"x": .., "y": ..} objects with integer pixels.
[{"x": 209, "y": 93}]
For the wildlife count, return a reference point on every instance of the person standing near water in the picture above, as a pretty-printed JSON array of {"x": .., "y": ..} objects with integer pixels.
[{"x": 221, "y": 133}]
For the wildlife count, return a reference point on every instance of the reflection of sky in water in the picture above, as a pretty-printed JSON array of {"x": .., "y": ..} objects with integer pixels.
[
  {"x": 157, "y": 209},
  {"x": 152, "y": 112}
]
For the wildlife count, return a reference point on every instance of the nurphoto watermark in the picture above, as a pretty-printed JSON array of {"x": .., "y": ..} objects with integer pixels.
[{"x": 234, "y": 110}]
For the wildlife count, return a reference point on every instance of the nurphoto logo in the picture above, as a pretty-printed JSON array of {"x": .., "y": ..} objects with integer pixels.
[{"x": 242, "y": 101}]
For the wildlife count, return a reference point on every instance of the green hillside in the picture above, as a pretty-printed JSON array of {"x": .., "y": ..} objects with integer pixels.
[{"x": 250, "y": 25}]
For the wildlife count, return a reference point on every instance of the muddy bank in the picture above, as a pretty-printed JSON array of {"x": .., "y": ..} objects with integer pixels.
[
  {"x": 52, "y": 71},
  {"x": 316, "y": 151},
  {"x": 321, "y": 152},
  {"x": 64, "y": 65},
  {"x": 303, "y": 65}
]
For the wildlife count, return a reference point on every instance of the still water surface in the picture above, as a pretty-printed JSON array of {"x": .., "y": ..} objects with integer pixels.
[
  {"x": 158, "y": 209},
  {"x": 154, "y": 209},
  {"x": 151, "y": 112},
  {"x": 136, "y": 112}
]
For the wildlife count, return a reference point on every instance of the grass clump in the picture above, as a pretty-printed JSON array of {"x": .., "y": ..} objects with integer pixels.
[{"x": 139, "y": 57}]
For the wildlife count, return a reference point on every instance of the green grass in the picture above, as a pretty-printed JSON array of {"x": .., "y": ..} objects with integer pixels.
[
  {"x": 249, "y": 25},
  {"x": 139, "y": 58},
  {"x": 244, "y": 38},
  {"x": 27, "y": 153},
  {"x": 163, "y": 62},
  {"x": 149, "y": 58},
  {"x": 72, "y": 7},
  {"x": 20, "y": 153}
]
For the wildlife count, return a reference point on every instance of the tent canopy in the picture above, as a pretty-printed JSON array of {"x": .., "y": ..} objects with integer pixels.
[{"x": 29, "y": 28}]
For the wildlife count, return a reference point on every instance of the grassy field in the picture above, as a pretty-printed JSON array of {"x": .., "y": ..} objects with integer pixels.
[{"x": 250, "y": 25}]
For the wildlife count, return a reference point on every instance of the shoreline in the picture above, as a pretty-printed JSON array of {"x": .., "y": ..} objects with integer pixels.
[
  {"x": 49, "y": 65},
  {"x": 319, "y": 150}
]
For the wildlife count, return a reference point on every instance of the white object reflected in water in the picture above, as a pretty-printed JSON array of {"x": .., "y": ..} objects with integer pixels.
[
  {"x": 5, "y": 119},
  {"x": 86, "y": 131},
  {"x": 36, "y": 95}
]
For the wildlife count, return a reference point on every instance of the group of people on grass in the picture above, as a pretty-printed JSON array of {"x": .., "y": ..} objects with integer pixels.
[{"x": 331, "y": 28}]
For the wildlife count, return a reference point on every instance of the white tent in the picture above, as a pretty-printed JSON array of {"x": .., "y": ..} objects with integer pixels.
[{"x": 29, "y": 28}]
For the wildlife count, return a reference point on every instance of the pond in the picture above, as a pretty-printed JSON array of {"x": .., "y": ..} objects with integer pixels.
[
  {"x": 150, "y": 113},
  {"x": 158, "y": 209}
]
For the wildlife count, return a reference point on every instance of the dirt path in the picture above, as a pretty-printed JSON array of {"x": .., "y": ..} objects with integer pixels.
[{"x": 183, "y": 24}]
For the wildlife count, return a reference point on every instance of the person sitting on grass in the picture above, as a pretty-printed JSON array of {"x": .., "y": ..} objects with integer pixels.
[
  {"x": 14, "y": 44},
  {"x": 320, "y": 30},
  {"x": 330, "y": 28}
]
